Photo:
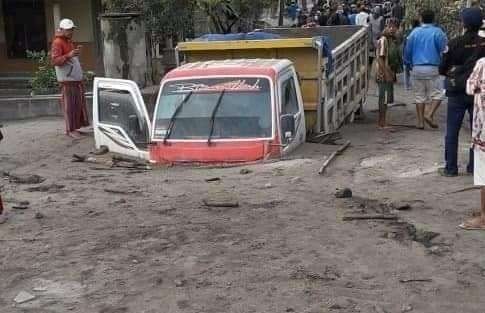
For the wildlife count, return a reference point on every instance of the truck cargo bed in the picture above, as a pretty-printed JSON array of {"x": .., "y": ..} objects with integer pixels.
[{"x": 330, "y": 97}]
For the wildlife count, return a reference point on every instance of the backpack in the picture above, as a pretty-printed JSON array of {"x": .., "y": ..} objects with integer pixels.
[{"x": 395, "y": 56}]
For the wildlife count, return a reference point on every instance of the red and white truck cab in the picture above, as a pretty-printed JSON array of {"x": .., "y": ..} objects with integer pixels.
[{"x": 215, "y": 112}]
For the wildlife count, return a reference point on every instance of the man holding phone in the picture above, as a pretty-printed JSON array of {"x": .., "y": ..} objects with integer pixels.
[{"x": 65, "y": 58}]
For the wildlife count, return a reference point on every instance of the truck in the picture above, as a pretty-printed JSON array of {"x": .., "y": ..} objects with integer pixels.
[{"x": 238, "y": 101}]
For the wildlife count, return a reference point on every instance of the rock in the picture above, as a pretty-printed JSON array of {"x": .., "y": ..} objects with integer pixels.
[
  {"x": 406, "y": 308},
  {"x": 46, "y": 188},
  {"x": 39, "y": 215},
  {"x": 213, "y": 179},
  {"x": 48, "y": 199},
  {"x": 296, "y": 180},
  {"x": 401, "y": 206},
  {"x": 340, "y": 303},
  {"x": 367, "y": 276},
  {"x": 180, "y": 282},
  {"x": 343, "y": 193},
  {"x": 379, "y": 309},
  {"x": 290, "y": 310},
  {"x": 221, "y": 202},
  {"x": 23, "y": 297},
  {"x": 245, "y": 171},
  {"x": 268, "y": 186},
  {"x": 20, "y": 207},
  {"x": 438, "y": 250},
  {"x": 25, "y": 179}
]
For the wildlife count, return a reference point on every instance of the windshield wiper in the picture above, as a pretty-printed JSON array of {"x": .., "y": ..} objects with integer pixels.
[
  {"x": 174, "y": 116},
  {"x": 213, "y": 116}
]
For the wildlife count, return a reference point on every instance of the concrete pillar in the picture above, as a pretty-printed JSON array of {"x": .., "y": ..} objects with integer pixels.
[
  {"x": 125, "y": 47},
  {"x": 56, "y": 12}
]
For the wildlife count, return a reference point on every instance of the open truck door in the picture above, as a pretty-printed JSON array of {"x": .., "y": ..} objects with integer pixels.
[{"x": 120, "y": 119}]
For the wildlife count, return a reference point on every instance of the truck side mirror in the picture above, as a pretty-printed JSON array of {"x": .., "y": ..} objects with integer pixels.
[{"x": 288, "y": 127}]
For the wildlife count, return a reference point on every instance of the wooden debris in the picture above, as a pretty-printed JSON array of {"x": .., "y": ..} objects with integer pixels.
[
  {"x": 412, "y": 280},
  {"x": 213, "y": 179},
  {"x": 465, "y": 189},
  {"x": 221, "y": 203},
  {"x": 332, "y": 156},
  {"x": 115, "y": 162},
  {"x": 121, "y": 192},
  {"x": 370, "y": 217}
]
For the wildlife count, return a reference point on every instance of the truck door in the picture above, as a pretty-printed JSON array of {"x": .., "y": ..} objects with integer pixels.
[
  {"x": 291, "y": 103},
  {"x": 120, "y": 118}
]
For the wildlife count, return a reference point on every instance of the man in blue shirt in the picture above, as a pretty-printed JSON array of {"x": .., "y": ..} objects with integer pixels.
[
  {"x": 424, "y": 49},
  {"x": 353, "y": 14}
]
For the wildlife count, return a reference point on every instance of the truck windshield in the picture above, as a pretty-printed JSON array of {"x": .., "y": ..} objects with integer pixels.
[{"x": 244, "y": 111}]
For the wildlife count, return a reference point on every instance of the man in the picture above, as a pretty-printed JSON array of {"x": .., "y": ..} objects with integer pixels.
[
  {"x": 424, "y": 48},
  {"x": 69, "y": 74},
  {"x": 293, "y": 10},
  {"x": 388, "y": 63},
  {"x": 362, "y": 19},
  {"x": 397, "y": 11},
  {"x": 337, "y": 17},
  {"x": 310, "y": 22},
  {"x": 475, "y": 87},
  {"x": 457, "y": 65},
  {"x": 376, "y": 25},
  {"x": 353, "y": 14}
]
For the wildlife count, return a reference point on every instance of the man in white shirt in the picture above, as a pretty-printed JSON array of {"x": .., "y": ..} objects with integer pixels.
[{"x": 362, "y": 19}]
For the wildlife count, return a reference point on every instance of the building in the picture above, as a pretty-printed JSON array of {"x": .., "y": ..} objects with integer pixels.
[{"x": 31, "y": 24}]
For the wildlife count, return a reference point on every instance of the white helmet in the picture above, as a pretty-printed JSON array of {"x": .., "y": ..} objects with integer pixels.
[{"x": 66, "y": 24}]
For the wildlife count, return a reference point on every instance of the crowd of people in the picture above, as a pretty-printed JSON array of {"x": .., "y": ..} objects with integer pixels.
[
  {"x": 433, "y": 67},
  {"x": 436, "y": 68},
  {"x": 326, "y": 13}
]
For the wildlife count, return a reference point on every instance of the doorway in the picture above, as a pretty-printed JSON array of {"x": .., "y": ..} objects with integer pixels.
[{"x": 25, "y": 27}]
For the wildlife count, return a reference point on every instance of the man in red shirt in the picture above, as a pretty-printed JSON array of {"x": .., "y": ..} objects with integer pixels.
[{"x": 65, "y": 58}]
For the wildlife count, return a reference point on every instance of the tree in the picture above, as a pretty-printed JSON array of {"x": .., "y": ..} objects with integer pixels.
[
  {"x": 224, "y": 15},
  {"x": 447, "y": 13},
  {"x": 169, "y": 18}
]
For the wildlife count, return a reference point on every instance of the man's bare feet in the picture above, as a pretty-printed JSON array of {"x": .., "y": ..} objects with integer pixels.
[
  {"x": 75, "y": 135},
  {"x": 430, "y": 122},
  {"x": 476, "y": 223}
]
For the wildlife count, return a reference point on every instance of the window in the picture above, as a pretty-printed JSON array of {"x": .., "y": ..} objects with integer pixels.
[
  {"x": 289, "y": 99},
  {"x": 118, "y": 108},
  {"x": 219, "y": 108}
]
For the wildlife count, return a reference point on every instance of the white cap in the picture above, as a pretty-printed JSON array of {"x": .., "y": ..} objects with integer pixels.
[{"x": 66, "y": 24}]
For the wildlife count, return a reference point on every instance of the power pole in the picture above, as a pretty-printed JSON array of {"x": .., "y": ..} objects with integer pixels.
[{"x": 281, "y": 11}]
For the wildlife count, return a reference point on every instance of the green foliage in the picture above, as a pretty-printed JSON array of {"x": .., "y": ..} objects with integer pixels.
[
  {"x": 44, "y": 78},
  {"x": 226, "y": 14},
  {"x": 174, "y": 18},
  {"x": 169, "y": 18},
  {"x": 447, "y": 13}
]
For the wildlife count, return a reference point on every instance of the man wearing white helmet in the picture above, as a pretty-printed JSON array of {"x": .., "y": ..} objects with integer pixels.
[{"x": 65, "y": 57}]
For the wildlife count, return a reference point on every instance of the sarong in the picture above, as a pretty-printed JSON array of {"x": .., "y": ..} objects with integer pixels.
[{"x": 73, "y": 104}]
